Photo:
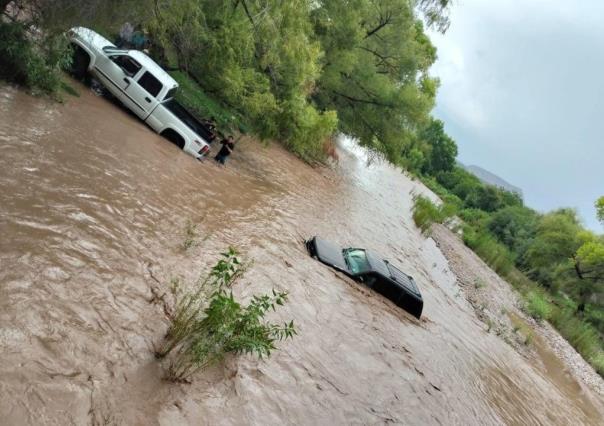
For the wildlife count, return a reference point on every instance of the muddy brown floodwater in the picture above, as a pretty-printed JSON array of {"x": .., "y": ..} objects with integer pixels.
[{"x": 92, "y": 211}]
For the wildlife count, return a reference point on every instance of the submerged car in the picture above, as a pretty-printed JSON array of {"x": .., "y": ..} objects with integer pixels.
[{"x": 371, "y": 269}]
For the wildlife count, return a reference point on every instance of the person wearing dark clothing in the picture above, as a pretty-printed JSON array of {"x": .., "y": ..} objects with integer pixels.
[{"x": 227, "y": 147}]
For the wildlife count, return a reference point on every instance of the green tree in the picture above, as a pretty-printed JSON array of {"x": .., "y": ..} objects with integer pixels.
[
  {"x": 442, "y": 149},
  {"x": 600, "y": 209},
  {"x": 375, "y": 71},
  {"x": 259, "y": 57},
  {"x": 484, "y": 197},
  {"x": 555, "y": 243},
  {"x": 514, "y": 226}
]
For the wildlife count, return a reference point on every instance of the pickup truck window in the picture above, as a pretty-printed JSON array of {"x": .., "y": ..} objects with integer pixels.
[
  {"x": 151, "y": 84},
  {"x": 127, "y": 64}
]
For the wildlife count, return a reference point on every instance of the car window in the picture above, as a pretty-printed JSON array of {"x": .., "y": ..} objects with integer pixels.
[
  {"x": 127, "y": 64},
  {"x": 150, "y": 83},
  {"x": 357, "y": 260}
]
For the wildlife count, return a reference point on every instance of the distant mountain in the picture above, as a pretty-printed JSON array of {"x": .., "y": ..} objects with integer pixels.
[{"x": 491, "y": 179}]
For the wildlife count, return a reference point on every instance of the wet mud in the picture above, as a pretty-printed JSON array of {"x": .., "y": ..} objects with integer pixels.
[{"x": 92, "y": 211}]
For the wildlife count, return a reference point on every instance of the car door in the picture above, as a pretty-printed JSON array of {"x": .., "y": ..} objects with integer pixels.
[
  {"x": 117, "y": 72},
  {"x": 144, "y": 91}
]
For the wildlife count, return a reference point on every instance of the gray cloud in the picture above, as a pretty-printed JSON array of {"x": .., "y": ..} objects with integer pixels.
[{"x": 522, "y": 93}]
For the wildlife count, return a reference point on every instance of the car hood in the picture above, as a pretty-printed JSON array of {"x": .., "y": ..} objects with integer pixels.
[{"x": 329, "y": 253}]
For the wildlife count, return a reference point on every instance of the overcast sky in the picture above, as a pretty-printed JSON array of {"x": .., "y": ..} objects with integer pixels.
[{"x": 522, "y": 93}]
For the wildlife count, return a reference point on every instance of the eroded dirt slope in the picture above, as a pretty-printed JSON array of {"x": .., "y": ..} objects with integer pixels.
[{"x": 92, "y": 208}]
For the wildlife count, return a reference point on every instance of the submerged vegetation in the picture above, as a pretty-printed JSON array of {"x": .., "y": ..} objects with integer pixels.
[{"x": 209, "y": 322}]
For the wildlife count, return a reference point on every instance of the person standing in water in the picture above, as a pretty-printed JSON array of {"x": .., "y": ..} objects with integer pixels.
[{"x": 228, "y": 145}]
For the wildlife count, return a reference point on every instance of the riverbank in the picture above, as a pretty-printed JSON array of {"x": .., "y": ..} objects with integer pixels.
[
  {"x": 499, "y": 306},
  {"x": 92, "y": 223}
]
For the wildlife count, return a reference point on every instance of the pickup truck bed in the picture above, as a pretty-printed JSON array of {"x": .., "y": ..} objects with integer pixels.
[{"x": 181, "y": 112}]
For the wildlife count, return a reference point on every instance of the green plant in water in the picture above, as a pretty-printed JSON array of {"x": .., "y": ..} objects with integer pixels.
[
  {"x": 229, "y": 327},
  {"x": 190, "y": 307}
]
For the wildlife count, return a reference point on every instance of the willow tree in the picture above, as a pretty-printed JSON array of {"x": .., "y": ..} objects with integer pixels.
[
  {"x": 259, "y": 57},
  {"x": 375, "y": 70}
]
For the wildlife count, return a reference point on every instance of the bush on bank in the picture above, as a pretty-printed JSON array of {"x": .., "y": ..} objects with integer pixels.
[{"x": 31, "y": 59}]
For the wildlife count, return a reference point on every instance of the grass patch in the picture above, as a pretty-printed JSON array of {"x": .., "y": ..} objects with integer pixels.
[
  {"x": 537, "y": 305},
  {"x": 425, "y": 212},
  {"x": 582, "y": 335},
  {"x": 495, "y": 254}
]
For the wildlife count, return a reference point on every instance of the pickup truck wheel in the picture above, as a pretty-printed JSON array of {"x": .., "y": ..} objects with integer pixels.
[
  {"x": 174, "y": 137},
  {"x": 80, "y": 62}
]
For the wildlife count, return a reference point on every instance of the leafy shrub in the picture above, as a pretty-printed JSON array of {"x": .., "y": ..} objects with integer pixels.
[
  {"x": 230, "y": 327},
  {"x": 305, "y": 129},
  {"x": 190, "y": 307},
  {"x": 34, "y": 61},
  {"x": 209, "y": 323}
]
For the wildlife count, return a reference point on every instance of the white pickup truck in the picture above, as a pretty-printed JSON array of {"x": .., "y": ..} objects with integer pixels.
[{"x": 141, "y": 85}]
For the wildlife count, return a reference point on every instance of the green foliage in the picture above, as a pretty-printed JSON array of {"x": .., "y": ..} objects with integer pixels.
[
  {"x": 484, "y": 197},
  {"x": 374, "y": 71},
  {"x": 436, "y": 13},
  {"x": 583, "y": 336},
  {"x": 475, "y": 217},
  {"x": 537, "y": 306},
  {"x": 514, "y": 226},
  {"x": 555, "y": 242},
  {"x": 229, "y": 327},
  {"x": 259, "y": 57},
  {"x": 195, "y": 99},
  {"x": 600, "y": 209},
  {"x": 495, "y": 254},
  {"x": 190, "y": 306},
  {"x": 209, "y": 323},
  {"x": 442, "y": 149},
  {"x": 425, "y": 212},
  {"x": 35, "y": 62}
]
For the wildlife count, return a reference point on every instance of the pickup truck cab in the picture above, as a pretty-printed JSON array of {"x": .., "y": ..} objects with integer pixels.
[{"x": 141, "y": 85}]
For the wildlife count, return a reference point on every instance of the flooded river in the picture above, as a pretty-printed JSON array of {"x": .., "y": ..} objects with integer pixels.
[{"x": 92, "y": 211}]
